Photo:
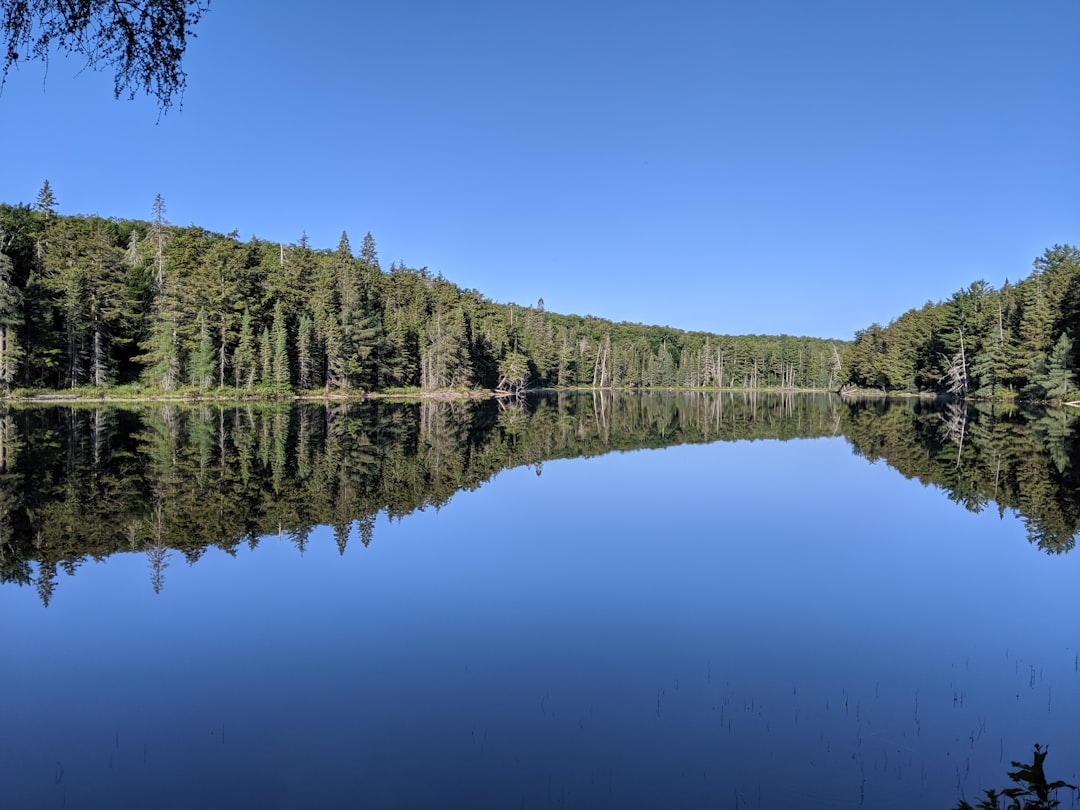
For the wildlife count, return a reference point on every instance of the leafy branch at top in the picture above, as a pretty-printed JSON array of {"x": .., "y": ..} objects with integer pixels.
[{"x": 142, "y": 40}]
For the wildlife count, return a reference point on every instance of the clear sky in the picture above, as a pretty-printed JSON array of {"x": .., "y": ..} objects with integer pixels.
[{"x": 738, "y": 167}]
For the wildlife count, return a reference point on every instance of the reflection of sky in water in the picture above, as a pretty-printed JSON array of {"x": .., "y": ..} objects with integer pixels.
[{"x": 744, "y": 624}]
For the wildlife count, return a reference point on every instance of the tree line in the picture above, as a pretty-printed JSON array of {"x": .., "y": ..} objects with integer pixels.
[
  {"x": 1021, "y": 341},
  {"x": 90, "y": 301}
]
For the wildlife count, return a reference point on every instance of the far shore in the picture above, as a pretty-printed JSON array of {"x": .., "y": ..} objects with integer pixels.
[{"x": 55, "y": 397}]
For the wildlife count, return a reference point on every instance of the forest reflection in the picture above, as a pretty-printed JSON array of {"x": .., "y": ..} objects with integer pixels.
[{"x": 79, "y": 483}]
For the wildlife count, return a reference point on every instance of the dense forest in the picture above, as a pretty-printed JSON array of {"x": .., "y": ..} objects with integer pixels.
[
  {"x": 1022, "y": 341},
  {"x": 105, "y": 303}
]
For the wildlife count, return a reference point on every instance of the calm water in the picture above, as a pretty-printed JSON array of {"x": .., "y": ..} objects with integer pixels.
[{"x": 709, "y": 621}]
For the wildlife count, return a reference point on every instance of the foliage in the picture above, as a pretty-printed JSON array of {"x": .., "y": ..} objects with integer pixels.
[
  {"x": 86, "y": 298},
  {"x": 1032, "y": 791},
  {"x": 143, "y": 41},
  {"x": 1016, "y": 342}
]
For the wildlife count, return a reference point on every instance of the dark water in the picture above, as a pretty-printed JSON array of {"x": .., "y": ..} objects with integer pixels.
[{"x": 680, "y": 601}]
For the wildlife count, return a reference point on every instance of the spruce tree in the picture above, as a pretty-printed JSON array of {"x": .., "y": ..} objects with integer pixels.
[
  {"x": 46, "y": 202},
  {"x": 201, "y": 363},
  {"x": 11, "y": 320},
  {"x": 156, "y": 238},
  {"x": 305, "y": 340},
  {"x": 348, "y": 314},
  {"x": 244, "y": 358},
  {"x": 1060, "y": 379},
  {"x": 266, "y": 358},
  {"x": 281, "y": 372}
]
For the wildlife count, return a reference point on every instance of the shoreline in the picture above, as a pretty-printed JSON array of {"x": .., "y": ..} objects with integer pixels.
[{"x": 449, "y": 395}]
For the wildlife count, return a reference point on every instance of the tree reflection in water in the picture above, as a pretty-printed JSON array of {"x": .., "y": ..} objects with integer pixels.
[{"x": 80, "y": 483}]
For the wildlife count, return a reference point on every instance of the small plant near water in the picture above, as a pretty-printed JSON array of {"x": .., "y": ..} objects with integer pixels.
[{"x": 1032, "y": 792}]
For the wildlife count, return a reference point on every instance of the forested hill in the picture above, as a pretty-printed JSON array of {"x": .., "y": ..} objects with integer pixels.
[
  {"x": 89, "y": 301},
  {"x": 1021, "y": 341}
]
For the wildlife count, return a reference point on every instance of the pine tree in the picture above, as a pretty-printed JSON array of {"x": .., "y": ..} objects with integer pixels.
[
  {"x": 1036, "y": 320},
  {"x": 67, "y": 277},
  {"x": 162, "y": 355},
  {"x": 162, "y": 349},
  {"x": 281, "y": 371},
  {"x": 227, "y": 284},
  {"x": 1059, "y": 379},
  {"x": 266, "y": 357},
  {"x": 337, "y": 375},
  {"x": 1061, "y": 267},
  {"x": 514, "y": 373},
  {"x": 399, "y": 355},
  {"x": 368, "y": 255},
  {"x": 444, "y": 357},
  {"x": 109, "y": 303},
  {"x": 348, "y": 297},
  {"x": 305, "y": 340},
  {"x": 244, "y": 358},
  {"x": 46, "y": 202},
  {"x": 294, "y": 279},
  {"x": 366, "y": 339},
  {"x": 11, "y": 320},
  {"x": 201, "y": 363},
  {"x": 156, "y": 238}
]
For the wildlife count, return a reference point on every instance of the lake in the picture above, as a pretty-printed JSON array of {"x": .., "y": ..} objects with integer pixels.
[{"x": 579, "y": 601}]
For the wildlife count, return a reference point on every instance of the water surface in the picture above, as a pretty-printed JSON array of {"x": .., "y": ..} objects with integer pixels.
[{"x": 741, "y": 622}]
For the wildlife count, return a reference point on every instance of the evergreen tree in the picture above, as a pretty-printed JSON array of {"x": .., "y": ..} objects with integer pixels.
[
  {"x": 567, "y": 371},
  {"x": 67, "y": 277},
  {"x": 863, "y": 362},
  {"x": 1036, "y": 320},
  {"x": 280, "y": 335},
  {"x": 201, "y": 363},
  {"x": 366, "y": 339},
  {"x": 162, "y": 349},
  {"x": 359, "y": 337},
  {"x": 46, "y": 202},
  {"x": 1053, "y": 377},
  {"x": 444, "y": 356},
  {"x": 244, "y": 357},
  {"x": 110, "y": 305},
  {"x": 368, "y": 255},
  {"x": 11, "y": 319},
  {"x": 1061, "y": 267},
  {"x": 156, "y": 239},
  {"x": 162, "y": 355},
  {"x": 996, "y": 366},
  {"x": 514, "y": 373},
  {"x": 294, "y": 278},
  {"x": 266, "y": 357},
  {"x": 305, "y": 364},
  {"x": 399, "y": 367},
  {"x": 227, "y": 287},
  {"x": 346, "y": 276},
  {"x": 337, "y": 368}
]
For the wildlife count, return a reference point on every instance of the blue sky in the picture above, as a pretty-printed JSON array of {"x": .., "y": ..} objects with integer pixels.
[{"x": 736, "y": 167}]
